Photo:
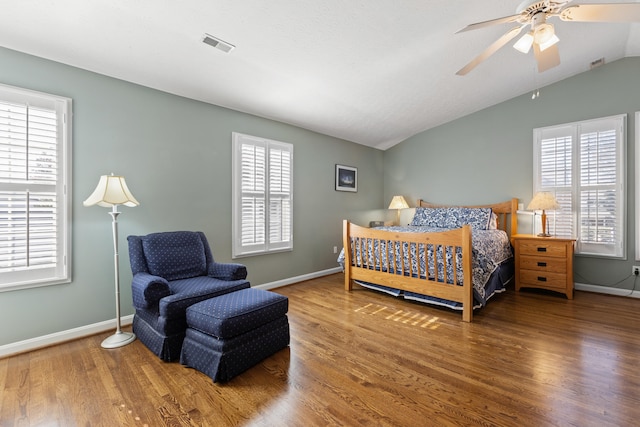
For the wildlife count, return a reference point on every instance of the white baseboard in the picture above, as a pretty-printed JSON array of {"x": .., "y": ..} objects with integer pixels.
[
  {"x": 62, "y": 336},
  {"x": 96, "y": 328},
  {"x": 292, "y": 280},
  {"x": 607, "y": 290}
]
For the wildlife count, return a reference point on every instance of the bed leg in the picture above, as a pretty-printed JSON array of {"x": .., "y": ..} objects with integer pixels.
[
  {"x": 467, "y": 313},
  {"x": 346, "y": 244},
  {"x": 348, "y": 284},
  {"x": 467, "y": 303}
]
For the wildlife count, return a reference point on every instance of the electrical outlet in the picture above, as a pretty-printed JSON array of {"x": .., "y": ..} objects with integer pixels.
[{"x": 635, "y": 270}]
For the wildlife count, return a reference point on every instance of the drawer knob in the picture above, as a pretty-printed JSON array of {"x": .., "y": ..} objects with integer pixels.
[
  {"x": 542, "y": 249},
  {"x": 542, "y": 279},
  {"x": 542, "y": 264}
]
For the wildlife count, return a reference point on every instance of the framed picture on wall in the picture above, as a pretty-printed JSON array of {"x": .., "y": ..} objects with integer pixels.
[{"x": 346, "y": 178}]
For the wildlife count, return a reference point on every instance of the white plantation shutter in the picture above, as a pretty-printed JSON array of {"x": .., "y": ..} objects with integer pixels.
[
  {"x": 262, "y": 195},
  {"x": 34, "y": 211},
  {"x": 280, "y": 195},
  {"x": 583, "y": 165}
]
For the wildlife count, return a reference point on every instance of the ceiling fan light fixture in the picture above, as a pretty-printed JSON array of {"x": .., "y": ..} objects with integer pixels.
[
  {"x": 524, "y": 43},
  {"x": 543, "y": 33}
]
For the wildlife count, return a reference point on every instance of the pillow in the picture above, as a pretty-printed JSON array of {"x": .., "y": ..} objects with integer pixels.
[
  {"x": 477, "y": 218},
  {"x": 454, "y": 217},
  {"x": 175, "y": 255},
  {"x": 430, "y": 217}
]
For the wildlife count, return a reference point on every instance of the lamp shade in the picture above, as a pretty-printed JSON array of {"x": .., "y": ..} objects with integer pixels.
[
  {"x": 543, "y": 201},
  {"x": 111, "y": 190},
  {"x": 398, "y": 202},
  {"x": 524, "y": 43}
]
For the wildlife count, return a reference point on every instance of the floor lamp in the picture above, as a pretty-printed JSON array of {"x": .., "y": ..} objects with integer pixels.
[{"x": 112, "y": 191}]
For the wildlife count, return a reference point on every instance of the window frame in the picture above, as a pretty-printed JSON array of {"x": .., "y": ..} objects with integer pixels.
[
  {"x": 30, "y": 277},
  {"x": 637, "y": 184},
  {"x": 574, "y": 131},
  {"x": 239, "y": 249}
]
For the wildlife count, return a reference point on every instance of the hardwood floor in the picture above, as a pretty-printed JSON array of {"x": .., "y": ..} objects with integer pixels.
[{"x": 362, "y": 358}]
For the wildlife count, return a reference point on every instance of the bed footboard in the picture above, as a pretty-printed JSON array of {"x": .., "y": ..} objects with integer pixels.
[{"x": 433, "y": 264}]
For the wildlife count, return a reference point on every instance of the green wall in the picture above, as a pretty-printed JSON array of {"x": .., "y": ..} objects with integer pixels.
[
  {"x": 176, "y": 156},
  {"x": 488, "y": 156}
]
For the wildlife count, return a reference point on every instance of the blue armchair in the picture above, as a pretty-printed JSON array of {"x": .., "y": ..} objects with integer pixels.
[{"x": 172, "y": 271}]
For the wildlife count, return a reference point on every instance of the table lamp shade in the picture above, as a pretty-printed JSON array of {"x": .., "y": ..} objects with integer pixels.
[
  {"x": 111, "y": 190},
  {"x": 398, "y": 202},
  {"x": 543, "y": 201}
]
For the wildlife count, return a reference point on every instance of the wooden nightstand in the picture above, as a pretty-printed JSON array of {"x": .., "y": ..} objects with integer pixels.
[{"x": 544, "y": 263}]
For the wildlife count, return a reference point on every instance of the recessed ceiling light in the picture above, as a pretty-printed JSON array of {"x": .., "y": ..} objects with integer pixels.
[{"x": 217, "y": 43}]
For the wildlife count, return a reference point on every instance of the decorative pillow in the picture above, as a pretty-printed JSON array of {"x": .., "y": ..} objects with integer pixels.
[
  {"x": 430, "y": 217},
  {"x": 477, "y": 218},
  {"x": 175, "y": 255},
  {"x": 454, "y": 217}
]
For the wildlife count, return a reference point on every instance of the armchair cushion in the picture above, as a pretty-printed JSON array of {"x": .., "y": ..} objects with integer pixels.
[
  {"x": 175, "y": 255},
  {"x": 186, "y": 292}
]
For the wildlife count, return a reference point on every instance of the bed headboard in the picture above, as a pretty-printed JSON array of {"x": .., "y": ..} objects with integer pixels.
[{"x": 506, "y": 211}]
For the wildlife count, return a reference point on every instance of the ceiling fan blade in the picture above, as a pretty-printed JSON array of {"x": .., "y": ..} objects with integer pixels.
[
  {"x": 613, "y": 12},
  {"x": 493, "y": 48},
  {"x": 504, "y": 20},
  {"x": 548, "y": 58}
]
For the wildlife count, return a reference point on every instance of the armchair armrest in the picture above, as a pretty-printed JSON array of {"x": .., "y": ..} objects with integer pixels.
[
  {"x": 227, "y": 271},
  {"x": 148, "y": 289}
]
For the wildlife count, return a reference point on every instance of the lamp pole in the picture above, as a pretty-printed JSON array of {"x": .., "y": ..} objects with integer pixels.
[{"x": 119, "y": 338}]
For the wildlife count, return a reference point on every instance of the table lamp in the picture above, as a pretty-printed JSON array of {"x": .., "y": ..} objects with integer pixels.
[
  {"x": 398, "y": 202},
  {"x": 543, "y": 201}
]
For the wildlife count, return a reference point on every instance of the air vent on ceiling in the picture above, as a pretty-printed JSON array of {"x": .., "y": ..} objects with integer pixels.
[
  {"x": 596, "y": 63},
  {"x": 217, "y": 43}
]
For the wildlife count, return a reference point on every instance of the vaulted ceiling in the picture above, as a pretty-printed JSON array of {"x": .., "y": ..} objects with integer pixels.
[{"x": 373, "y": 72}]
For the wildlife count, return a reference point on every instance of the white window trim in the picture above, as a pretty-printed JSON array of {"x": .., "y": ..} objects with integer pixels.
[
  {"x": 637, "y": 166},
  {"x": 238, "y": 249},
  {"x": 581, "y": 247},
  {"x": 61, "y": 273}
]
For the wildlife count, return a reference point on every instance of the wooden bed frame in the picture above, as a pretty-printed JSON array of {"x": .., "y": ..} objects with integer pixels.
[{"x": 357, "y": 238}]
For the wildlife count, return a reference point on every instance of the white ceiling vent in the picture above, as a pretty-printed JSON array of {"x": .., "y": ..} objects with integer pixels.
[{"x": 217, "y": 43}]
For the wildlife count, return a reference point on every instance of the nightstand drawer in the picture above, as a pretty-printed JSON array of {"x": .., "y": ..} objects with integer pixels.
[
  {"x": 543, "y": 279},
  {"x": 548, "y": 264},
  {"x": 541, "y": 247}
]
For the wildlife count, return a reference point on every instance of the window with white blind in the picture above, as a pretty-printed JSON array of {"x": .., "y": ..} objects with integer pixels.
[
  {"x": 35, "y": 161},
  {"x": 583, "y": 164},
  {"x": 262, "y": 195}
]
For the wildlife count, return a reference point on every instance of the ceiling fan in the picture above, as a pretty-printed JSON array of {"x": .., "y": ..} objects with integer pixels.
[{"x": 541, "y": 35}]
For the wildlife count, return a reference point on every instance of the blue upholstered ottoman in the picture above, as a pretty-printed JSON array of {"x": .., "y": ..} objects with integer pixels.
[{"x": 228, "y": 334}]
